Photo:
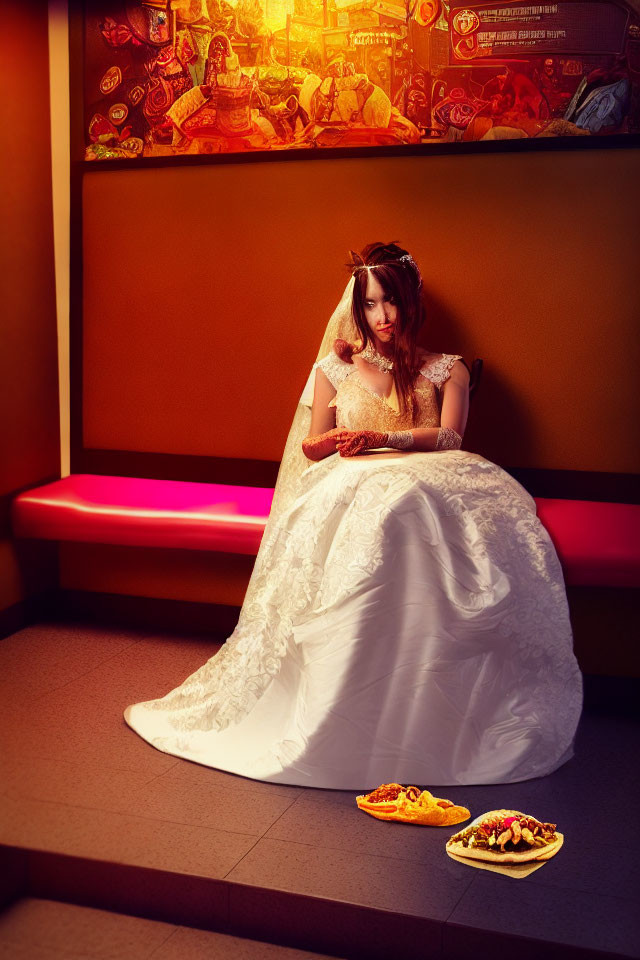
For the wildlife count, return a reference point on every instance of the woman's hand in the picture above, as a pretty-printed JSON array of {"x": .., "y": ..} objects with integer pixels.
[
  {"x": 353, "y": 442},
  {"x": 322, "y": 445}
]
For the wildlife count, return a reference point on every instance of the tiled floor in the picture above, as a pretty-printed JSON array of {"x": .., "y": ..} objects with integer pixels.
[{"x": 101, "y": 818}]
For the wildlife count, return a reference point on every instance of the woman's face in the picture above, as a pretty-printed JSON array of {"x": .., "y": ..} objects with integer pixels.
[{"x": 380, "y": 311}]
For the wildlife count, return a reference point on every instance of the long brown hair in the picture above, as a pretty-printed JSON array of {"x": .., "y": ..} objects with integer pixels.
[{"x": 399, "y": 277}]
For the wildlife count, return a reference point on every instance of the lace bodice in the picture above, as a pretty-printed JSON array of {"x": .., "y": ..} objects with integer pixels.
[{"x": 359, "y": 408}]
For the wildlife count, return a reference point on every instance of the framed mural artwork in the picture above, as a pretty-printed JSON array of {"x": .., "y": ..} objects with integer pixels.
[{"x": 186, "y": 77}]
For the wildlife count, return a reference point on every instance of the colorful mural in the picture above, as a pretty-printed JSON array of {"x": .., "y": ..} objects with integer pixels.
[{"x": 171, "y": 77}]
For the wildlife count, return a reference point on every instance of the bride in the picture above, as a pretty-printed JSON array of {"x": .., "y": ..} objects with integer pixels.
[{"x": 406, "y": 620}]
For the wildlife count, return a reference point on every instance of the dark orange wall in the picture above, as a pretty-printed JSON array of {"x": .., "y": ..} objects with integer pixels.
[
  {"x": 207, "y": 289},
  {"x": 29, "y": 420}
]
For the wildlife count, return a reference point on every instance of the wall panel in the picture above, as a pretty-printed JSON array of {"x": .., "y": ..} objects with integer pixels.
[
  {"x": 206, "y": 289},
  {"x": 29, "y": 423}
]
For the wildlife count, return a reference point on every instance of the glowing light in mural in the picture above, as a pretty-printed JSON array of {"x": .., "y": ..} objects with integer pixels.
[{"x": 171, "y": 77}]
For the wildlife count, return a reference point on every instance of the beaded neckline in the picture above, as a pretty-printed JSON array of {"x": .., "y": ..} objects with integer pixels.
[{"x": 373, "y": 357}]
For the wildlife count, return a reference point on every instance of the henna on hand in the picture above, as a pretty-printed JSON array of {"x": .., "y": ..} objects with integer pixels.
[
  {"x": 357, "y": 441},
  {"x": 317, "y": 448}
]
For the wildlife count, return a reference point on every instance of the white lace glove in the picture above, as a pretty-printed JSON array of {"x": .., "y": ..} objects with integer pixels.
[
  {"x": 448, "y": 439},
  {"x": 400, "y": 439}
]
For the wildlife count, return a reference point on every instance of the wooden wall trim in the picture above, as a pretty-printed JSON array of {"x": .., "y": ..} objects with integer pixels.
[
  {"x": 578, "y": 484},
  {"x": 616, "y": 141},
  {"x": 166, "y": 466}
]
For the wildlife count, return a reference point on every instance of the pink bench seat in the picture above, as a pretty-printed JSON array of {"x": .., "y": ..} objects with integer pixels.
[
  {"x": 598, "y": 543},
  {"x": 144, "y": 513}
]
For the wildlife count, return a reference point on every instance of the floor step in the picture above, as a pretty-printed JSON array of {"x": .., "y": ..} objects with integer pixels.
[{"x": 38, "y": 929}]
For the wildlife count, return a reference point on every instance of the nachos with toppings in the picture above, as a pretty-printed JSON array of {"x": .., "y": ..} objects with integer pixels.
[
  {"x": 506, "y": 836},
  {"x": 392, "y": 801}
]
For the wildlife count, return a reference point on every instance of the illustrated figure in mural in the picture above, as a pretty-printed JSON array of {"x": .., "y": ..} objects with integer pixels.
[
  {"x": 169, "y": 79},
  {"x": 347, "y": 109},
  {"x": 283, "y": 116},
  {"x": 602, "y": 100},
  {"x": 513, "y": 106},
  {"x": 514, "y": 96},
  {"x": 406, "y": 619},
  {"x": 278, "y": 89},
  {"x": 222, "y": 114},
  {"x": 504, "y": 107},
  {"x": 548, "y": 79},
  {"x": 412, "y": 99},
  {"x": 600, "y": 105},
  {"x": 219, "y": 49}
]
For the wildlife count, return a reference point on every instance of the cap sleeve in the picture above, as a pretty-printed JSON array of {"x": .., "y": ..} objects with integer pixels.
[
  {"x": 335, "y": 369},
  {"x": 438, "y": 370}
]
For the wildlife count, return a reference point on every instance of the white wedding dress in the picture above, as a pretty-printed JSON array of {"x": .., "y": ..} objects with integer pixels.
[{"x": 406, "y": 622}]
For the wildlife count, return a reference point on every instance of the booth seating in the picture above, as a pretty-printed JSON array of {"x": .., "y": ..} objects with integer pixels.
[
  {"x": 598, "y": 543},
  {"x": 132, "y": 512}
]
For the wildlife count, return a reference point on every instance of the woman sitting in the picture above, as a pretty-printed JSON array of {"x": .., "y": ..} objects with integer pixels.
[{"x": 406, "y": 620}]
